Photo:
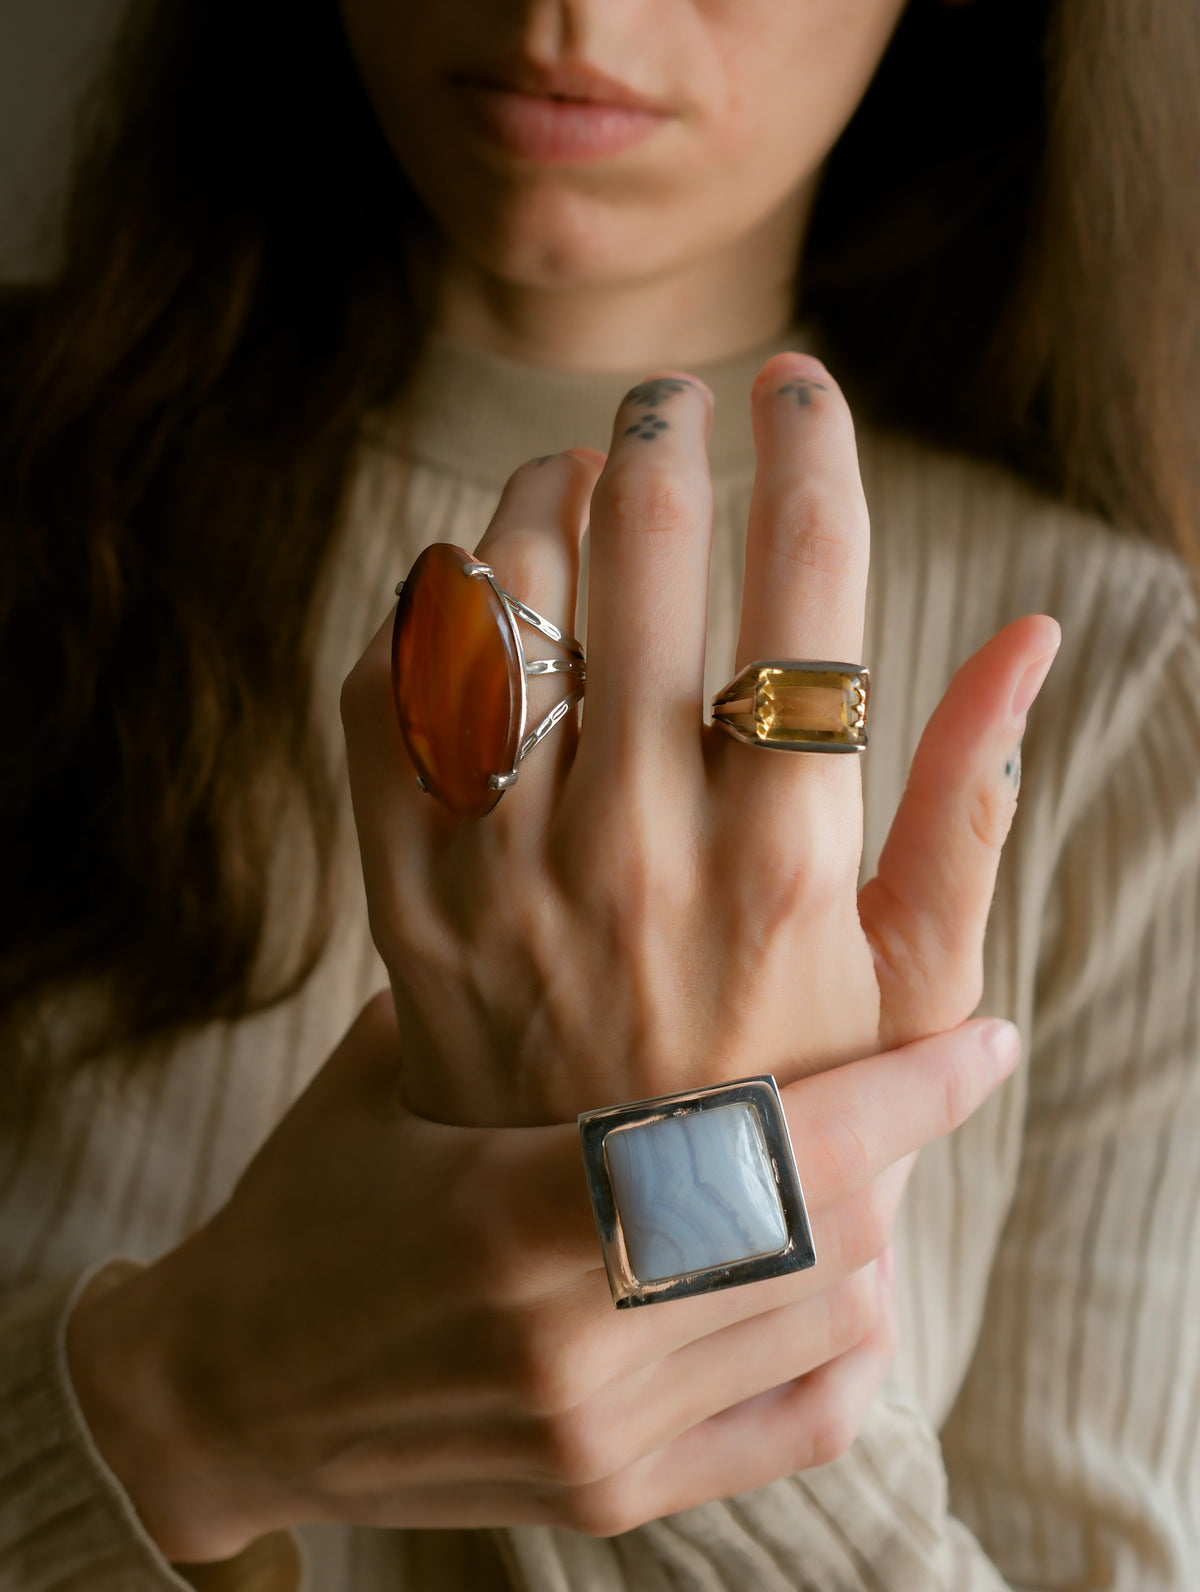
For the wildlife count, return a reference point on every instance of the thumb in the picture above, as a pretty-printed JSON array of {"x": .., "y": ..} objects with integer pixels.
[{"x": 925, "y": 911}]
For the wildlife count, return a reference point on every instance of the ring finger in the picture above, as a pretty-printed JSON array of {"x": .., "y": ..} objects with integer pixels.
[{"x": 807, "y": 549}]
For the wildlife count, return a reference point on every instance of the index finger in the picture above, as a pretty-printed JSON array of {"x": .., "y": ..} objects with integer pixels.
[{"x": 849, "y": 1124}]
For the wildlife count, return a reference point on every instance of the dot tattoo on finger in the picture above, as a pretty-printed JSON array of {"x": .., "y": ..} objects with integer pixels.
[
  {"x": 649, "y": 395},
  {"x": 647, "y": 428},
  {"x": 802, "y": 389},
  {"x": 1012, "y": 769}
]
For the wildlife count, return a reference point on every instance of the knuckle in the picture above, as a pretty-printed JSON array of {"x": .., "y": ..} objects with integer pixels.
[
  {"x": 522, "y": 551},
  {"x": 604, "y": 1509},
  {"x": 832, "y": 1433},
  {"x": 576, "y": 1452},
  {"x": 633, "y": 886},
  {"x": 547, "y": 1367},
  {"x": 818, "y": 534},
  {"x": 944, "y": 961},
  {"x": 989, "y": 811},
  {"x": 841, "y": 1150},
  {"x": 638, "y": 503}
]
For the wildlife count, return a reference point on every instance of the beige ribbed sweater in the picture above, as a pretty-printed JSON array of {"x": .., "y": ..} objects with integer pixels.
[{"x": 1042, "y": 1426}]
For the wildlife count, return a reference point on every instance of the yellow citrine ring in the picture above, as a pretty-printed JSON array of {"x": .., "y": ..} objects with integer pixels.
[{"x": 796, "y": 705}]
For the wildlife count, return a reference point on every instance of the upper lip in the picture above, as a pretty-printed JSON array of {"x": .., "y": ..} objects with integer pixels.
[{"x": 567, "y": 80}]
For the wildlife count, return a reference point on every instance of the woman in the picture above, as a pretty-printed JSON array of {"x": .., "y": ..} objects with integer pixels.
[{"x": 344, "y": 273}]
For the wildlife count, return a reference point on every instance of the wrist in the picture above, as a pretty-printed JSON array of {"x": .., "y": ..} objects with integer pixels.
[{"x": 127, "y": 1357}]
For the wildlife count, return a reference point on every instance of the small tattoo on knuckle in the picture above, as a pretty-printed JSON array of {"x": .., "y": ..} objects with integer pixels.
[
  {"x": 1012, "y": 769},
  {"x": 802, "y": 389}
]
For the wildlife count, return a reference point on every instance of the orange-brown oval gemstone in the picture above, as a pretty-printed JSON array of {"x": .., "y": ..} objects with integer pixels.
[{"x": 458, "y": 680}]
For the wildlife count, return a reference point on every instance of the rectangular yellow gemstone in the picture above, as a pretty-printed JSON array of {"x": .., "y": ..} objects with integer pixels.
[{"x": 791, "y": 705}]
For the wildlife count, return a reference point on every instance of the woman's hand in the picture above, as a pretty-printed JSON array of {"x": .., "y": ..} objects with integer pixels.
[
  {"x": 398, "y": 1323},
  {"x": 656, "y": 905}
]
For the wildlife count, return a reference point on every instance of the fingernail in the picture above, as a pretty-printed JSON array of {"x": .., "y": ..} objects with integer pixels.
[
  {"x": 1030, "y": 682},
  {"x": 795, "y": 360},
  {"x": 1001, "y": 1043}
]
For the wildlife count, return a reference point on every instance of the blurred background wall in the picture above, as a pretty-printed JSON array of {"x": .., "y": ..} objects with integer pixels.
[{"x": 47, "y": 48}]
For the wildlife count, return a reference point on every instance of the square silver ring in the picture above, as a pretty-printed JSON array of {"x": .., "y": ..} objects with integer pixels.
[{"x": 695, "y": 1191}]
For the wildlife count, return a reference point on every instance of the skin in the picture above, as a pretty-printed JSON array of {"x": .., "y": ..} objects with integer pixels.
[
  {"x": 316, "y": 1352},
  {"x": 680, "y": 250},
  {"x": 591, "y": 942},
  {"x": 653, "y": 906}
]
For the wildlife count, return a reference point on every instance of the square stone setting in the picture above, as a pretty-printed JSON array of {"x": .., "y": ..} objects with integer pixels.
[{"x": 695, "y": 1191}]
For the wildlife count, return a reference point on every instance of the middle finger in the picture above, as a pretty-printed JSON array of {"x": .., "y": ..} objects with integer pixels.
[
  {"x": 648, "y": 582},
  {"x": 804, "y": 597},
  {"x": 808, "y": 539}
]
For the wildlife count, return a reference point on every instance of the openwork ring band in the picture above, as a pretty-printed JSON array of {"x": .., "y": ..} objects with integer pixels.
[{"x": 460, "y": 679}]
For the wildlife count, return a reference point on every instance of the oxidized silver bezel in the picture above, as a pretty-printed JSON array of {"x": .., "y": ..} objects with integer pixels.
[{"x": 762, "y": 1094}]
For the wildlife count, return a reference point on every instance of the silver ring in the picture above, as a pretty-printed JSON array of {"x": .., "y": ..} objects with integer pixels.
[
  {"x": 573, "y": 664},
  {"x": 454, "y": 656},
  {"x": 696, "y": 1191}
]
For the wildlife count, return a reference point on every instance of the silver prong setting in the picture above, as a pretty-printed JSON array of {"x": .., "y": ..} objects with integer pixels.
[{"x": 536, "y": 666}]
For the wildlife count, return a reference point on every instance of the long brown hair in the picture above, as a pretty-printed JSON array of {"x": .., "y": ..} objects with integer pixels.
[{"x": 1004, "y": 254}]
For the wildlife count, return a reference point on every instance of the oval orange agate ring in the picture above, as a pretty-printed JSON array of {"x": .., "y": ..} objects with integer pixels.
[{"x": 460, "y": 679}]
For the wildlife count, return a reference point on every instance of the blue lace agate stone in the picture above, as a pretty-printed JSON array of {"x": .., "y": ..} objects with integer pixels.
[{"x": 695, "y": 1190}]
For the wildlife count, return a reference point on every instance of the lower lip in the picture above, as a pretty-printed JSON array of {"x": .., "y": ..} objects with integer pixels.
[{"x": 556, "y": 131}]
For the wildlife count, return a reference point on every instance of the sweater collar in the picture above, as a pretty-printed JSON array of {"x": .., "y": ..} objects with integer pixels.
[{"x": 480, "y": 415}]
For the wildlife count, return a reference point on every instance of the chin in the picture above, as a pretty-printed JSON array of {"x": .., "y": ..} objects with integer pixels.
[{"x": 555, "y": 240}]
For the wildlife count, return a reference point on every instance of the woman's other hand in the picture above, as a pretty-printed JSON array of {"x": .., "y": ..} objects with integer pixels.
[
  {"x": 655, "y": 905},
  {"x": 398, "y": 1323}
]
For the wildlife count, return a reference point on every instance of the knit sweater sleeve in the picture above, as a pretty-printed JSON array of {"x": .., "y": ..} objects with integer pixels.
[
  {"x": 66, "y": 1524},
  {"x": 1071, "y": 1454},
  {"x": 64, "y": 1521}
]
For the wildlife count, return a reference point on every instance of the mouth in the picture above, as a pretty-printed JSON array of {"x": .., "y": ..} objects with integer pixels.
[{"x": 568, "y": 114}]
